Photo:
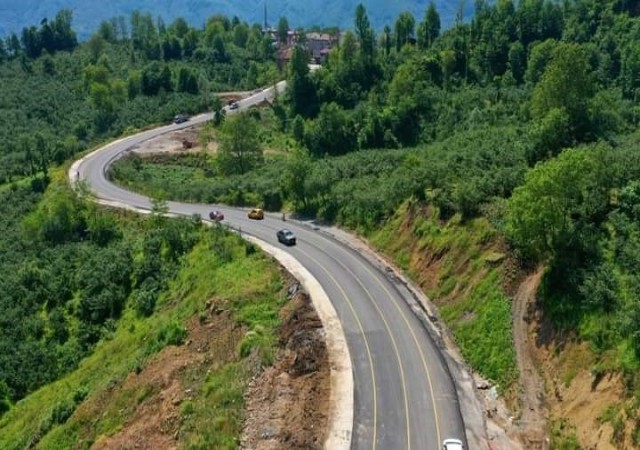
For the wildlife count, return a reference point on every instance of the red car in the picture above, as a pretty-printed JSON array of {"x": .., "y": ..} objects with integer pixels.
[{"x": 216, "y": 216}]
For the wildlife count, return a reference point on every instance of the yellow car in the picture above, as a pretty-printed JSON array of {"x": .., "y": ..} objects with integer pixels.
[{"x": 256, "y": 213}]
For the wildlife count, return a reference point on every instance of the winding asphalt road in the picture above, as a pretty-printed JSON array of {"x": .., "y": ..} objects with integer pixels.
[{"x": 404, "y": 395}]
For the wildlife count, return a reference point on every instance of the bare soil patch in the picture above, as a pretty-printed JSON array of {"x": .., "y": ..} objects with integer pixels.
[
  {"x": 186, "y": 140},
  {"x": 556, "y": 382},
  {"x": 287, "y": 405},
  {"x": 573, "y": 394},
  {"x": 532, "y": 423}
]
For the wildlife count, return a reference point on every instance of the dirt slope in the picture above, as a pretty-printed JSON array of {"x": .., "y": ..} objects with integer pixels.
[
  {"x": 532, "y": 423},
  {"x": 287, "y": 404}
]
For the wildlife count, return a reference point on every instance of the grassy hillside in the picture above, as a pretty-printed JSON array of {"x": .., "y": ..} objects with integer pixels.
[
  {"x": 90, "y": 401},
  {"x": 461, "y": 267}
]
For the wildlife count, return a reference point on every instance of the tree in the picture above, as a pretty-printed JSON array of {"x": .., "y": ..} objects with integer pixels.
[
  {"x": 386, "y": 39},
  {"x": 566, "y": 84},
  {"x": 297, "y": 128},
  {"x": 107, "y": 31},
  {"x": 31, "y": 42},
  {"x": 550, "y": 135},
  {"x": 5, "y": 397},
  {"x": 64, "y": 36},
  {"x": 283, "y": 31},
  {"x": 559, "y": 200},
  {"x": 295, "y": 177},
  {"x": 155, "y": 77},
  {"x": 365, "y": 34},
  {"x": 187, "y": 81},
  {"x": 539, "y": 57},
  {"x": 363, "y": 25},
  {"x": 25, "y": 145},
  {"x": 300, "y": 91},
  {"x": 102, "y": 100},
  {"x": 241, "y": 35},
  {"x": 219, "y": 49},
  {"x": 43, "y": 153},
  {"x": 96, "y": 46},
  {"x": 404, "y": 29},
  {"x": 331, "y": 133},
  {"x": 48, "y": 66},
  {"x": 240, "y": 149},
  {"x": 630, "y": 71},
  {"x": 429, "y": 28},
  {"x": 179, "y": 27},
  {"x": 171, "y": 48},
  {"x": 13, "y": 45},
  {"x": 517, "y": 61}
]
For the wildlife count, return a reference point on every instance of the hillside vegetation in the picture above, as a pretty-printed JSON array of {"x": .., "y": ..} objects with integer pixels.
[
  {"x": 517, "y": 129},
  {"x": 508, "y": 139},
  {"x": 106, "y": 306},
  {"x": 59, "y": 97},
  {"x": 89, "y": 296}
]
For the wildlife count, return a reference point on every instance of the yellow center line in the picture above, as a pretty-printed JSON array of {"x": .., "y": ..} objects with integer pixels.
[
  {"x": 395, "y": 349},
  {"x": 415, "y": 340},
  {"x": 366, "y": 344}
]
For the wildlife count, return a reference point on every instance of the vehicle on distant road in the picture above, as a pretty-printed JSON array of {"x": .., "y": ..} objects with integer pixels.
[
  {"x": 216, "y": 216},
  {"x": 452, "y": 444},
  {"x": 256, "y": 214},
  {"x": 286, "y": 237},
  {"x": 181, "y": 118},
  {"x": 234, "y": 105}
]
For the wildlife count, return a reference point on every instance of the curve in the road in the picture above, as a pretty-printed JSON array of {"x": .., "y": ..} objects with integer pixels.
[{"x": 404, "y": 395}]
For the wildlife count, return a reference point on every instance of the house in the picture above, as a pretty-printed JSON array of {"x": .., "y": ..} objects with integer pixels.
[{"x": 319, "y": 46}]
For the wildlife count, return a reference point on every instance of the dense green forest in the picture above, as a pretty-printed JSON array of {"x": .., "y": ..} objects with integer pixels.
[{"x": 524, "y": 116}]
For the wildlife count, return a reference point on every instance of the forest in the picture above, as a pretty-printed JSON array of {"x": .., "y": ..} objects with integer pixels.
[{"x": 525, "y": 116}]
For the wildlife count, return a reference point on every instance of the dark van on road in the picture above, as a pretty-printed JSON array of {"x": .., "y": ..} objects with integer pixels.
[{"x": 181, "y": 118}]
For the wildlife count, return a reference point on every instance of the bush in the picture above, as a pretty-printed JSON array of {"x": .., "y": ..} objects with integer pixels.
[
  {"x": 171, "y": 334},
  {"x": 144, "y": 301}
]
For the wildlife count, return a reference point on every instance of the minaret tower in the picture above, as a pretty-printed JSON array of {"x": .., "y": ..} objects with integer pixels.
[{"x": 266, "y": 25}]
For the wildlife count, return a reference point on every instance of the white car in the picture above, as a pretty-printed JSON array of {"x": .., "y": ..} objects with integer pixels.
[{"x": 452, "y": 444}]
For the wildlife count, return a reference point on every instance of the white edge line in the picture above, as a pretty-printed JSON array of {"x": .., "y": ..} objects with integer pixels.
[{"x": 341, "y": 400}]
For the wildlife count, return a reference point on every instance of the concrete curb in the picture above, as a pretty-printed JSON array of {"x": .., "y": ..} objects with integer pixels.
[
  {"x": 342, "y": 387},
  {"x": 341, "y": 399}
]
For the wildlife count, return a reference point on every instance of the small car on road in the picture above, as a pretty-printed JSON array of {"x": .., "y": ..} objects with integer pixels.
[
  {"x": 234, "y": 105},
  {"x": 216, "y": 216},
  {"x": 181, "y": 118},
  {"x": 452, "y": 444},
  {"x": 286, "y": 237},
  {"x": 256, "y": 214}
]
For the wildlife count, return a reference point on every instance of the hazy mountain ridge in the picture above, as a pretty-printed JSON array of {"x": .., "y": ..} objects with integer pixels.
[{"x": 89, "y": 13}]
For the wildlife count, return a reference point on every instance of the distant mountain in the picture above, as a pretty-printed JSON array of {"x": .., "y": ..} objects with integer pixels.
[{"x": 14, "y": 15}]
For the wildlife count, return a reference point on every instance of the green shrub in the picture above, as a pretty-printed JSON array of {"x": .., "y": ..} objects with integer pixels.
[{"x": 171, "y": 334}]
